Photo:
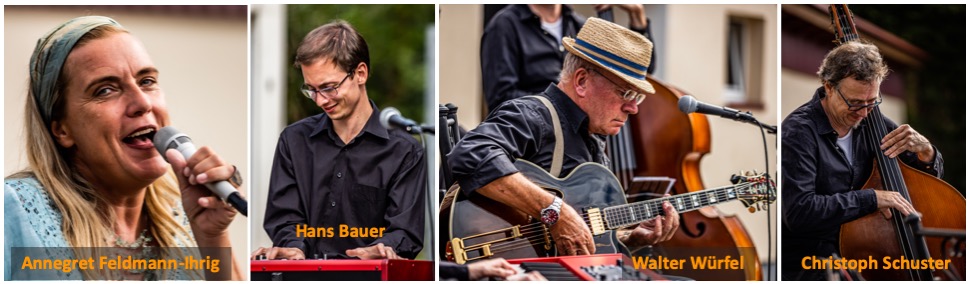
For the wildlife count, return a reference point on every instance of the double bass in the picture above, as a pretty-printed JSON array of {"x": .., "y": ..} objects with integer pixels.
[
  {"x": 662, "y": 141},
  {"x": 941, "y": 205},
  {"x": 671, "y": 144}
]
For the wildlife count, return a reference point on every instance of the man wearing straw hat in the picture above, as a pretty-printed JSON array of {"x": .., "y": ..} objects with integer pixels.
[
  {"x": 603, "y": 82},
  {"x": 521, "y": 49}
]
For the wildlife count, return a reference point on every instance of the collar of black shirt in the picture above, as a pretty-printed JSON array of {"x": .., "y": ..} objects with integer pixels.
[
  {"x": 524, "y": 13},
  {"x": 373, "y": 125},
  {"x": 574, "y": 116}
]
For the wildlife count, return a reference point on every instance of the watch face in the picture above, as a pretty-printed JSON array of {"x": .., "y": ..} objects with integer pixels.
[{"x": 549, "y": 216}]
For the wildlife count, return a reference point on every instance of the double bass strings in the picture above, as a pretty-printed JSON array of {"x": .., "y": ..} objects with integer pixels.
[{"x": 890, "y": 173}]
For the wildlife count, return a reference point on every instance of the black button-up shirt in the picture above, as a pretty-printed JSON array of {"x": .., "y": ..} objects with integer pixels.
[
  {"x": 820, "y": 187},
  {"x": 522, "y": 129},
  {"x": 376, "y": 180},
  {"x": 519, "y": 58}
]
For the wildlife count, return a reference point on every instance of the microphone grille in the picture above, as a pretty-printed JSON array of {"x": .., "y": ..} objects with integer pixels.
[
  {"x": 687, "y": 104},
  {"x": 385, "y": 116},
  {"x": 163, "y": 138}
]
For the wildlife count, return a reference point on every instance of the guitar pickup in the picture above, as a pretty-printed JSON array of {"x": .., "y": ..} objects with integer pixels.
[{"x": 595, "y": 221}]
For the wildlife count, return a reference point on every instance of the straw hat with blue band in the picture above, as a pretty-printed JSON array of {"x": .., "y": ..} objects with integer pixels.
[
  {"x": 49, "y": 56},
  {"x": 614, "y": 48}
]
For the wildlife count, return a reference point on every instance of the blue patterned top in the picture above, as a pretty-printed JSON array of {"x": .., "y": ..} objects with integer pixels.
[{"x": 31, "y": 220}]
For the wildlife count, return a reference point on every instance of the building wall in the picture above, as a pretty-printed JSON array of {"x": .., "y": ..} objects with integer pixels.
[
  {"x": 694, "y": 58},
  {"x": 203, "y": 66},
  {"x": 269, "y": 63},
  {"x": 459, "y": 48}
]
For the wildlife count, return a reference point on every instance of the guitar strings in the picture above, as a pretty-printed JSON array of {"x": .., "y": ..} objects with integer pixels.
[
  {"x": 534, "y": 233},
  {"x": 617, "y": 213},
  {"x": 654, "y": 205}
]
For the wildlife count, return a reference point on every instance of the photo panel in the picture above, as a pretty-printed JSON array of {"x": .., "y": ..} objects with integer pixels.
[
  {"x": 623, "y": 157},
  {"x": 343, "y": 142},
  {"x": 872, "y": 100},
  {"x": 89, "y": 92}
]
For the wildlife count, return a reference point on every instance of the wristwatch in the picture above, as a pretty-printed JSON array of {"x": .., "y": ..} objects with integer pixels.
[{"x": 550, "y": 214}]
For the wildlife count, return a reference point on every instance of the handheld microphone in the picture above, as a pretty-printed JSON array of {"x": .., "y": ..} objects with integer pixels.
[
  {"x": 390, "y": 118},
  {"x": 170, "y": 138},
  {"x": 688, "y": 104}
]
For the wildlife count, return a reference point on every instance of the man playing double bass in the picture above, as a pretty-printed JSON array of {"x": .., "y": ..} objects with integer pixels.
[
  {"x": 602, "y": 83},
  {"x": 825, "y": 160}
]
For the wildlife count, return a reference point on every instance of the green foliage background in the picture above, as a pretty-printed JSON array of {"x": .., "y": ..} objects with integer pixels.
[
  {"x": 396, "y": 37},
  {"x": 936, "y": 103}
]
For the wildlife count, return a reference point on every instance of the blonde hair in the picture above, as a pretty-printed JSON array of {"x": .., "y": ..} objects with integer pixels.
[{"x": 73, "y": 196}]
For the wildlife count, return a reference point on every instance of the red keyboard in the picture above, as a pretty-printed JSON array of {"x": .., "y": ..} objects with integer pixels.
[
  {"x": 597, "y": 267},
  {"x": 341, "y": 269}
]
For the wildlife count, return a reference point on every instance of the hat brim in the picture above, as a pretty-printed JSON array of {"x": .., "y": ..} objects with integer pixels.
[{"x": 642, "y": 85}]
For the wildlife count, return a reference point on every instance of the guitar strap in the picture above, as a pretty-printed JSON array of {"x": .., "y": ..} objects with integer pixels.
[{"x": 559, "y": 151}]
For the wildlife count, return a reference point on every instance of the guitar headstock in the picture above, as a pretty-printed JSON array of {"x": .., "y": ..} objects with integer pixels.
[{"x": 755, "y": 190}]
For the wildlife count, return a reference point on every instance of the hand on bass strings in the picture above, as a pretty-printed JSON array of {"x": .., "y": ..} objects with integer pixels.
[
  {"x": 890, "y": 199},
  {"x": 905, "y": 138}
]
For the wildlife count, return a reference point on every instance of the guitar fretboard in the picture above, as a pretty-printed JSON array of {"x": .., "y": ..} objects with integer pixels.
[{"x": 625, "y": 215}]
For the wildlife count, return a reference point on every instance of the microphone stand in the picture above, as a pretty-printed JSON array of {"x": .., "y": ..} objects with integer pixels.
[
  {"x": 429, "y": 190},
  {"x": 771, "y": 129},
  {"x": 429, "y": 129},
  {"x": 749, "y": 118}
]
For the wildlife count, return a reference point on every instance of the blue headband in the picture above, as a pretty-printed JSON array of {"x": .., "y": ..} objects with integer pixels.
[{"x": 49, "y": 57}]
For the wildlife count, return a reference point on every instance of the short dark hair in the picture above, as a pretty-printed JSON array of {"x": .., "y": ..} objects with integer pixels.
[
  {"x": 858, "y": 60},
  {"x": 337, "y": 41}
]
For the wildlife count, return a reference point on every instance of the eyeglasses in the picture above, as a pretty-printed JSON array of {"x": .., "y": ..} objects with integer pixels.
[
  {"x": 857, "y": 107},
  {"x": 328, "y": 92},
  {"x": 628, "y": 95}
]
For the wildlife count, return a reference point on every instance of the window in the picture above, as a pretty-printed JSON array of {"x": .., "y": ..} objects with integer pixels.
[{"x": 745, "y": 57}]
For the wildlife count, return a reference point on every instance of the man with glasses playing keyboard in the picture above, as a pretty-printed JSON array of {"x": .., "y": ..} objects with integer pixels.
[
  {"x": 825, "y": 161},
  {"x": 342, "y": 185}
]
